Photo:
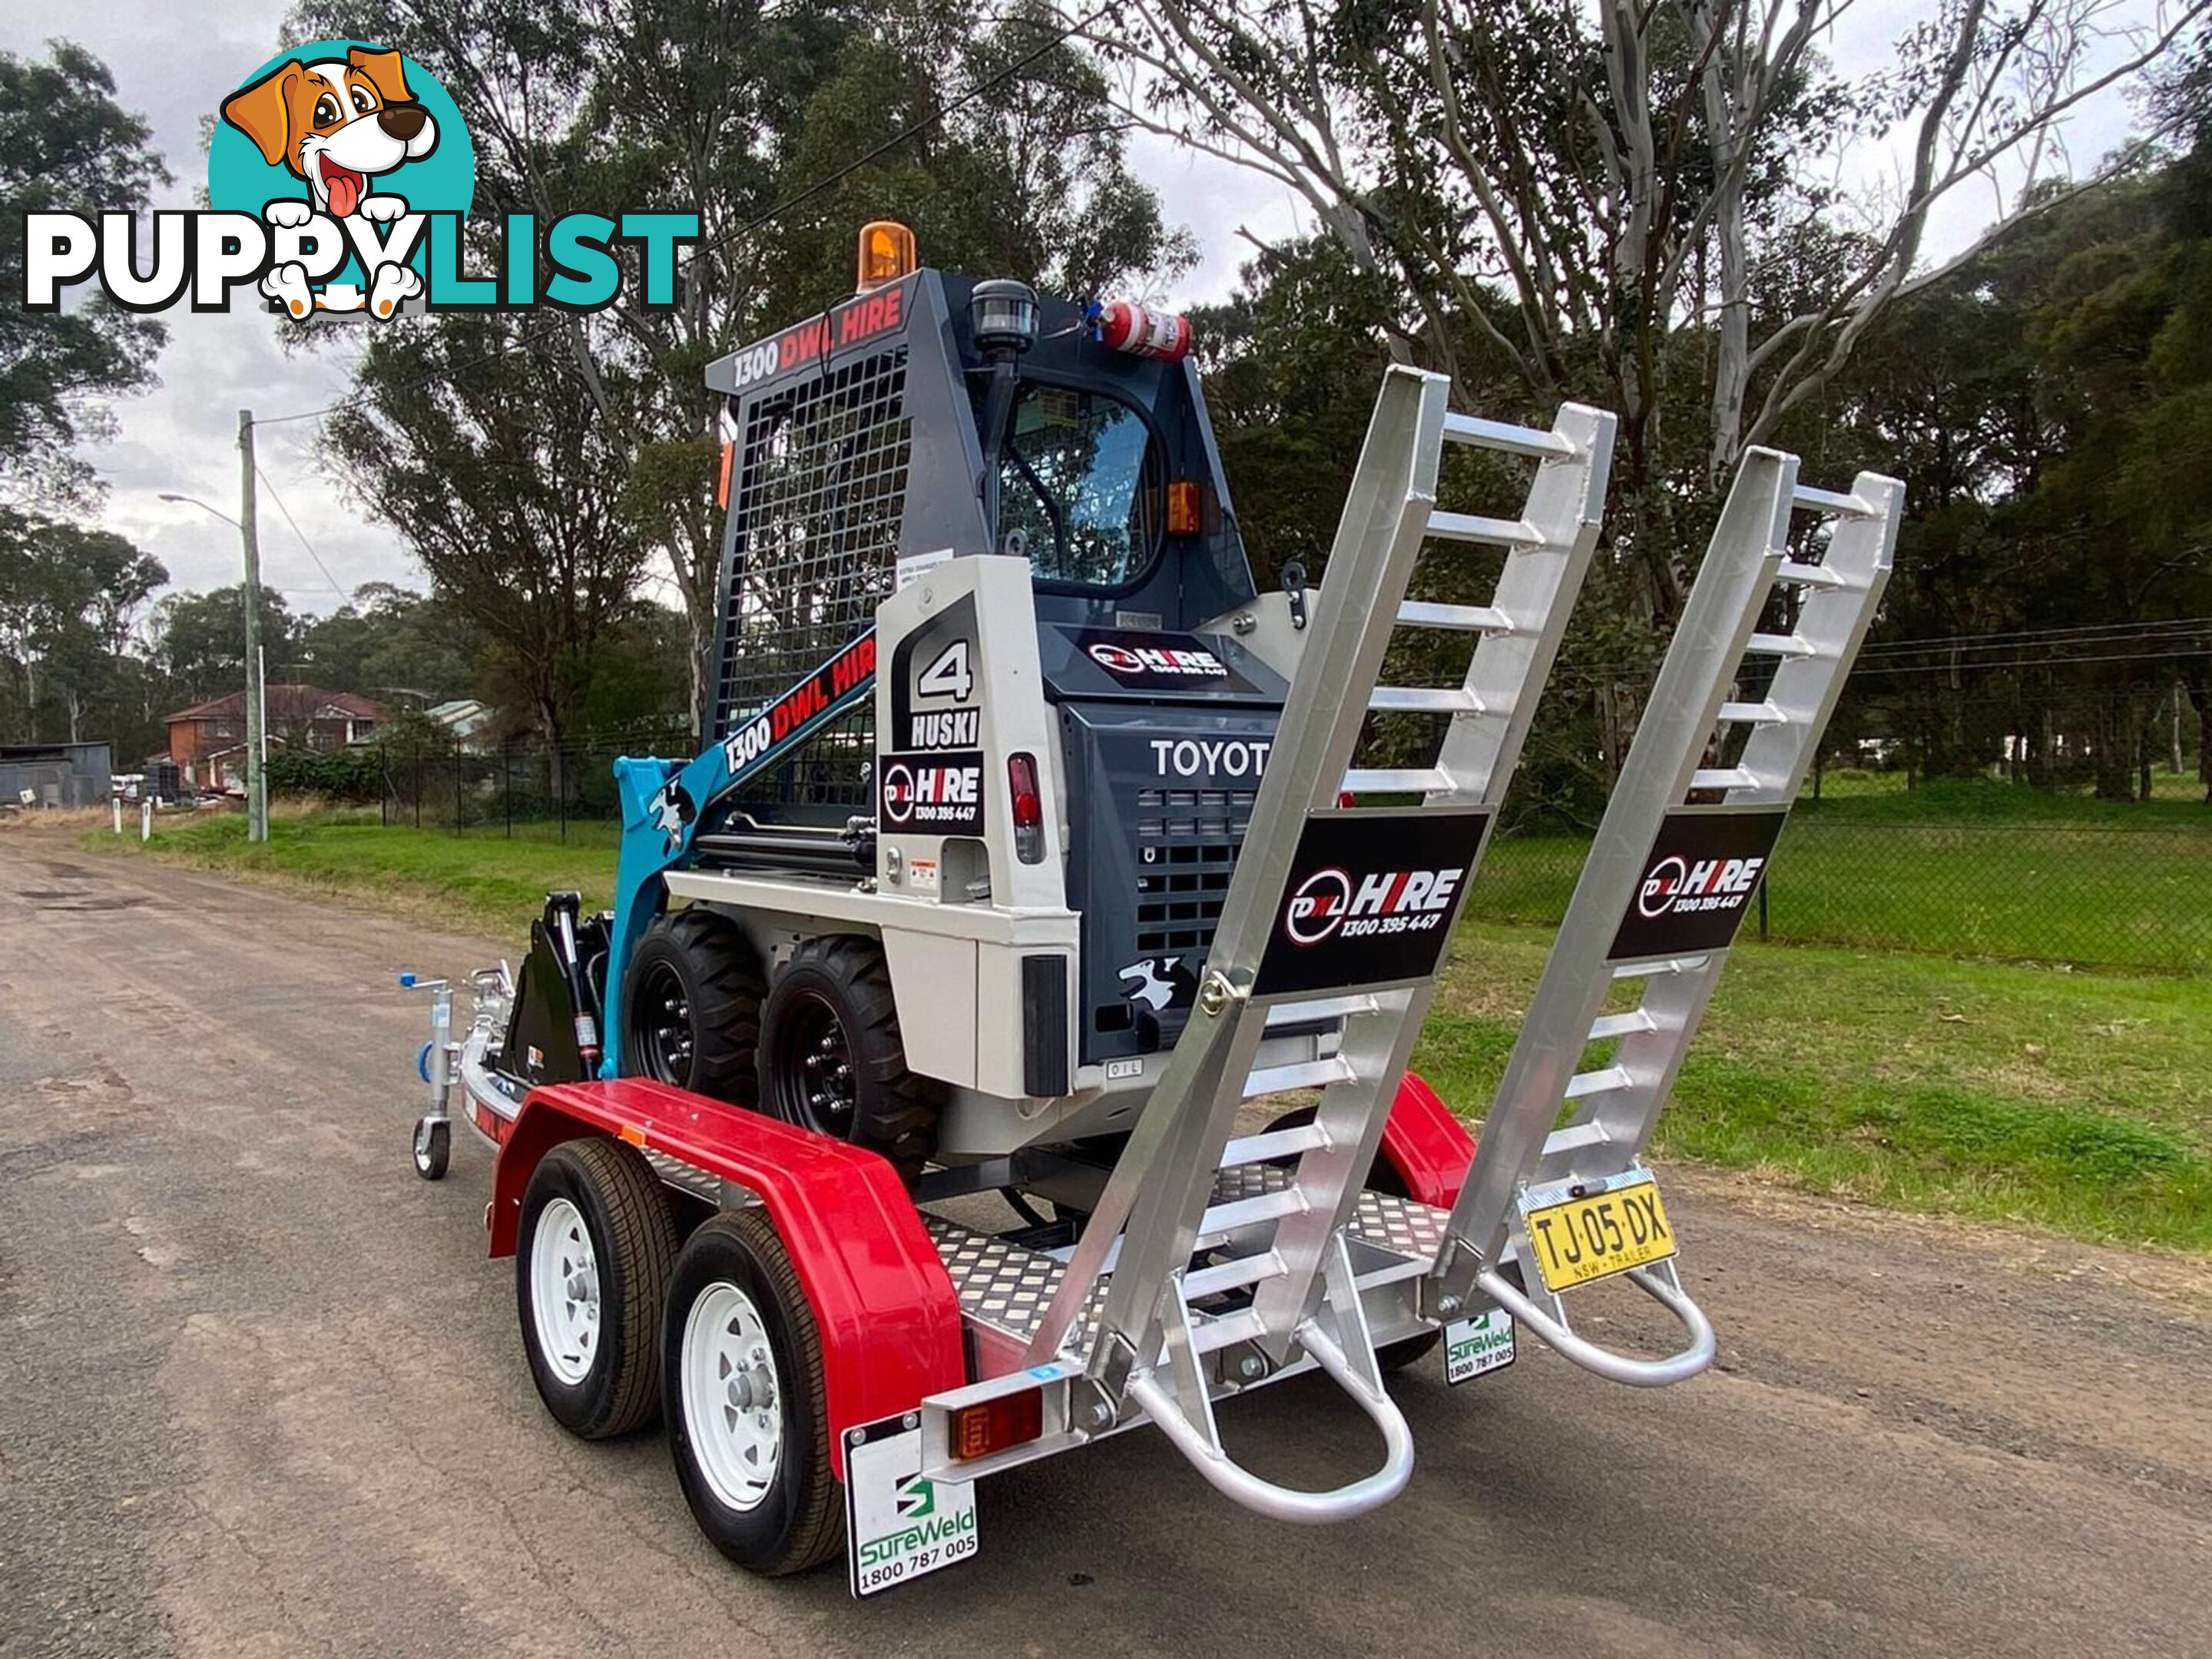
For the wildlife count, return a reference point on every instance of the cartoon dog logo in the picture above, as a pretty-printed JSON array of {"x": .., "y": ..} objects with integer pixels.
[
  {"x": 673, "y": 811},
  {"x": 338, "y": 123},
  {"x": 1158, "y": 982}
]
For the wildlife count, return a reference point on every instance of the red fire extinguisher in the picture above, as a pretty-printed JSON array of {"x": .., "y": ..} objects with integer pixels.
[{"x": 1126, "y": 326}]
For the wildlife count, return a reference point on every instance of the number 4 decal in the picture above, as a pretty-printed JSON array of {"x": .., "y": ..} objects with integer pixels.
[{"x": 948, "y": 677}]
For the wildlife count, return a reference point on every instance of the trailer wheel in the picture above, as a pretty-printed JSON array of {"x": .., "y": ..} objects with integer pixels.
[
  {"x": 744, "y": 1394},
  {"x": 434, "y": 1148},
  {"x": 831, "y": 1058},
  {"x": 691, "y": 1006},
  {"x": 1383, "y": 1177},
  {"x": 597, "y": 1247}
]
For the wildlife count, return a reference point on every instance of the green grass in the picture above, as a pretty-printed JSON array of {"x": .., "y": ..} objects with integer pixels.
[
  {"x": 476, "y": 881},
  {"x": 2078, "y": 1101}
]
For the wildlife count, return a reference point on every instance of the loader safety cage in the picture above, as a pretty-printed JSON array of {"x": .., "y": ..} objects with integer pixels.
[{"x": 1221, "y": 1255}]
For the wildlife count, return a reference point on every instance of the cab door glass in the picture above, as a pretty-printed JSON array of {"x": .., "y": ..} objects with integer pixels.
[{"x": 1080, "y": 479}]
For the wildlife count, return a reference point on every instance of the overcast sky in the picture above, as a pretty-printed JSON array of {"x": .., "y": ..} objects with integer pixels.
[{"x": 172, "y": 64}]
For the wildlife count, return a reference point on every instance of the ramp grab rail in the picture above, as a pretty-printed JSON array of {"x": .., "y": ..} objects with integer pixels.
[
  {"x": 1667, "y": 1291},
  {"x": 1239, "y": 1484}
]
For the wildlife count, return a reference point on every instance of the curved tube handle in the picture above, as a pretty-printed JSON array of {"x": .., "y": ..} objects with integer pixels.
[
  {"x": 1284, "y": 1503},
  {"x": 1603, "y": 1362}
]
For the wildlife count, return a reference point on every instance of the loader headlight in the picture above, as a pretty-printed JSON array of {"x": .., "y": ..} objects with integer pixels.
[{"x": 1003, "y": 314}]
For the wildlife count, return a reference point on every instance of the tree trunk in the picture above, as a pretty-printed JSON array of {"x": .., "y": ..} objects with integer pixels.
[
  {"x": 556, "y": 765},
  {"x": 2114, "y": 735}
]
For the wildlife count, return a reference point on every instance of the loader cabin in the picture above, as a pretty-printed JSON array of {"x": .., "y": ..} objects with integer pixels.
[{"x": 932, "y": 416}]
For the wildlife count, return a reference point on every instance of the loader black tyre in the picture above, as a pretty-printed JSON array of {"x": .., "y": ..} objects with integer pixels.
[
  {"x": 831, "y": 1058},
  {"x": 691, "y": 1006},
  {"x": 1383, "y": 1177},
  {"x": 745, "y": 1399},
  {"x": 594, "y": 1253}
]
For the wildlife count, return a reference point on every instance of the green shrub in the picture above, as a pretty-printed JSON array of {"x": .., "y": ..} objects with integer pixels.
[{"x": 341, "y": 774}]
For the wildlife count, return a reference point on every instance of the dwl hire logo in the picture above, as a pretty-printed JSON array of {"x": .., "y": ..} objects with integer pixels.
[{"x": 338, "y": 178}]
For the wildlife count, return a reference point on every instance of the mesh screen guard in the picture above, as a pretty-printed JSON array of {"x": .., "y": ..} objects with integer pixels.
[{"x": 818, "y": 494}]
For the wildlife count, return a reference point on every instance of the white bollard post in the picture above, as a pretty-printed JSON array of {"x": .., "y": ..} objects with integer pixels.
[
  {"x": 118, "y": 815},
  {"x": 146, "y": 820}
]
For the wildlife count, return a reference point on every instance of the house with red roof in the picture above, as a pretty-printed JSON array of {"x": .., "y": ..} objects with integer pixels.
[{"x": 208, "y": 740}]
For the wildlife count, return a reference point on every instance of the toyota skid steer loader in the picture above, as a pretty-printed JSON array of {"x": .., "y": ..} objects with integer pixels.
[{"x": 1000, "y": 1038}]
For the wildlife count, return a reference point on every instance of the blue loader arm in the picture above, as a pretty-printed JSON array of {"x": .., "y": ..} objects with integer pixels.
[{"x": 664, "y": 804}]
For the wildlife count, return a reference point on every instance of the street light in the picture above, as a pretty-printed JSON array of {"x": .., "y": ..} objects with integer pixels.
[
  {"x": 256, "y": 730},
  {"x": 169, "y": 495}
]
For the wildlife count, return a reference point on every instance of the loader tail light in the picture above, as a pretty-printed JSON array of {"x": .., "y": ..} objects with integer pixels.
[
  {"x": 722, "y": 484},
  {"x": 992, "y": 1425},
  {"x": 1028, "y": 807},
  {"x": 1186, "y": 512}
]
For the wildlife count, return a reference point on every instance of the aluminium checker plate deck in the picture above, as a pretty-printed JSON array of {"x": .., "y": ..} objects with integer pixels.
[{"x": 1008, "y": 1287}]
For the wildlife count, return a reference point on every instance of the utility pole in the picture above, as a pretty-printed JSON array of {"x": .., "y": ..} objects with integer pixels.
[{"x": 257, "y": 779}]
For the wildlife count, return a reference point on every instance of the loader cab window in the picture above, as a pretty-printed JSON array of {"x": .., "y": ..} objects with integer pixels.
[{"x": 1081, "y": 478}]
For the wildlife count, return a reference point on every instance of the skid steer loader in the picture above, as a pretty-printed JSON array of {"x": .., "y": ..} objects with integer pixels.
[{"x": 999, "y": 1037}]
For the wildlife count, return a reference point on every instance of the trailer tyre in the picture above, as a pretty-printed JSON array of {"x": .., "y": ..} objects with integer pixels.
[
  {"x": 831, "y": 1058},
  {"x": 691, "y": 1006},
  {"x": 597, "y": 1249},
  {"x": 434, "y": 1148},
  {"x": 744, "y": 1394}
]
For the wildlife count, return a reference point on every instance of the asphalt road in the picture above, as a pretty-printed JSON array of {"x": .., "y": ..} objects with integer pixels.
[{"x": 261, "y": 1394}]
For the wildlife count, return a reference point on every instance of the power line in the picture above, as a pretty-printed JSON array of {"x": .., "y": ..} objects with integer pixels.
[
  {"x": 1874, "y": 657},
  {"x": 343, "y": 597},
  {"x": 2087, "y": 633}
]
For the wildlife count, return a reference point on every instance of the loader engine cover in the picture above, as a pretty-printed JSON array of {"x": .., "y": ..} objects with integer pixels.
[{"x": 1163, "y": 798}]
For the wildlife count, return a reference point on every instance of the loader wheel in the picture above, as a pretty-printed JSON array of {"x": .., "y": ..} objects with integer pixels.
[
  {"x": 597, "y": 1247},
  {"x": 691, "y": 1006},
  {"x": 831, "y": 1059},
  {"x": 743, "y": 1388},
  {"x": 1383, "y": 1177}
]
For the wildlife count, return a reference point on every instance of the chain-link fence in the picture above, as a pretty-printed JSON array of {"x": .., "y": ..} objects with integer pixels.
[
  {"x": 2035, "y": 890},
  {"x": 1870, "y": 865},
  {"x": 565, "y": 794}
]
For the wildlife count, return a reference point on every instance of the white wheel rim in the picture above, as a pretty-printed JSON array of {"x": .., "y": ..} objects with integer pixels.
[
  {"x": 564, "y": 1291},
  {"x": 733, "y": 1405}
]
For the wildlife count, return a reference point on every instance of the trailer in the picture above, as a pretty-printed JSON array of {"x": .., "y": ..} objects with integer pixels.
[{"x": 999, "y": 1039}]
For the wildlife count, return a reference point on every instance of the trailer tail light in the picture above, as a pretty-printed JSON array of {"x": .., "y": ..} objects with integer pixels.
[
  {"x": 1186, "y": 511},
  {"x": 990, "y": 1425},
  {"x": 1028, "y": 807},
  {"x": 887, "y": 254}
]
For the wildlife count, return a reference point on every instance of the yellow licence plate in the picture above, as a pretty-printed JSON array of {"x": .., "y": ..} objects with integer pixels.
[{"x": 1577, "y": 1240}]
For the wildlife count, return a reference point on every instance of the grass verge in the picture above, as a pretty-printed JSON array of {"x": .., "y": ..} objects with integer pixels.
[
  {"x": 2076, "y": 1102},
  {"x": 470, "y": 883}
]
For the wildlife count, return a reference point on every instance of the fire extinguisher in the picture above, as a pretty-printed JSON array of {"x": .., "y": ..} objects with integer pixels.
[{"x": 1124, "y": 325}]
